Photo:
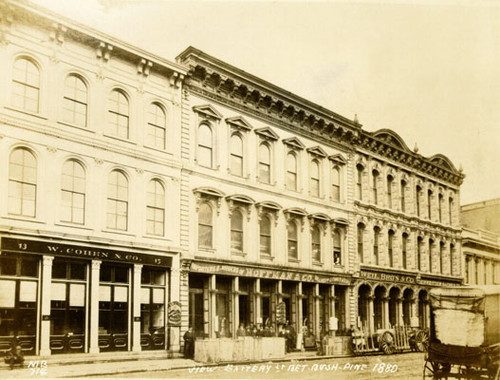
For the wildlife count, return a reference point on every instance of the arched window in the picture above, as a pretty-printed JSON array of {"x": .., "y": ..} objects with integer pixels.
[
  {"x": 117, "y": 207},
  {"x": 265, "y": 235},
  {"x": 292, "y": 234},
  {"x": 440, "y": 207},
  {"x": 157, "y": 127},
  {"x": 22, "y": 183},
  {"x": 26, "y": 85},
  {"x": 390, "y": 245},
  {"x": 441, "y": 255},
  {"x": 155, "y": 208},
  {"x": 75, "y": 101},
  {"x": 314, "y": 186},
  {"x": 403, "y": 196},
  {"x": 376, "y": 238},
  {"x": 359, "y": 182},
  {"x": 118, "y": 114},
  {"x": 418, "y": 200},
  {"x": 452, "y": 258},
  {"x": 73, "y": 192},
  {"x": 236, "y": 155},
  {"x": 237, "y": 231},
  {"x": 291, "y": 172},
  {"x": 205, "y": 146},
  {"x": 467, "y": 274},
  {"x": 429, "y": 204},
  {"x": 264, "y": 163},
  {"x": 336, "y": 184},
  {"x": 374, "y": 186},
  {"x": 450, "y": 210},
  {"x": 431, "y": 243},
  {"x": 337, "y": 248},
  {"x": 420, "y": 242},
  {"x": 316, "y": 243},
  {"x": 390, "y": 180},
  {"x": 404, "y": 251},
  {"x": 205, "y": 226},
  {"x": 360, "y": 236}
]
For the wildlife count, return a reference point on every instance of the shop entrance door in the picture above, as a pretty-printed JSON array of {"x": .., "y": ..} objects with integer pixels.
[
  {"x": 196, "y": 312},
  {"x": 152, "y": 309},
  {"x": 113, "y": 308},
  {"x": 18, "y": 302},
  {"x": 67, "y": 307}
]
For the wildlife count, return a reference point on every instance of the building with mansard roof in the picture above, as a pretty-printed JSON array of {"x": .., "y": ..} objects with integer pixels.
[{"x": 89, "y": 188}]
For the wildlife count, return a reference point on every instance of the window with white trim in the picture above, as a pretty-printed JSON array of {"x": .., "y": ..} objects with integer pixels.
[
  {"x": 75, "y": 101},
  {"x": 205, "y": 226},
  {"x": 155, "y": 208},
  {"x": 291, "y": 171},
  {"x": 157, "y": 127},
  {"x": 22, "y": 183},
  {"x": 117, "y": 202},
  {"x": 73, "y": 193},
  {"x": 26, "y": 85},
  {"x": 205, "y": 145},
  {"x": 236, "y": 164},
  {"x": 118, "y": 114},
  {"x": 264, "y": 163}
]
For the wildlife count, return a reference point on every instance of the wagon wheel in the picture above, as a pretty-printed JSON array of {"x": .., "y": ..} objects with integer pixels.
[
  {"x": 421, "y": 341},
  {"x": 436, "y": 370},
  {"x": 386, "y": 343}
]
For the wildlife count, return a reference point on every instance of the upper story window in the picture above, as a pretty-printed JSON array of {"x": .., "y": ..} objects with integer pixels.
[
  {"x": 450, "y": 210},
  {"x": 467, "y": 275},
  {"x": 316, "y": 243},
  {"x": 237, "y": 231},
  {"x": 117, "y": 207},
  {"x": 73, "y": 192},
  {"x": 453, "y": 253},
  {"x": 390, "y": 180},
  {"x": 292, "y": 235},
  {"x": 337, "y": 248},
  {"x": 375, "y": 176},
  {"x": 314, "y": 185},
  {"x": 22, "y": 183},
  {"x": 26, "y": 85},
  {"x": 359, "y": 181},
  {"x": 205, "y": 226},
  {"x": 403, "y": 196},
  {"x": 264, "y": 163},
  {"x": 404, "y": 251},
  {"x": 205, "y": 146},
  {"x": 336, "y": 183},
  {"x": 440, "y": 207},
  {"x": 75, "y": 101},
  {"x": 118, "y": 114},
  {"x": 431, "y": 243},
  {"x": 441, "y": 256},
  {"x": 155, "y": 208},
  {"x": 291, "y": 171},
  {"x": 265, "y": 235},
  {"x": 420, "y": 242},
  {"x": 390, "y": 245},
  {"x": 236, "y": 155},
  {"x": 360, "y": 236},
  {"x": 157, "y": 127},
  {"x": 376, "y": 238},
  {"x": 429, "y": 204},
  {"x": 418, "y": 200}
]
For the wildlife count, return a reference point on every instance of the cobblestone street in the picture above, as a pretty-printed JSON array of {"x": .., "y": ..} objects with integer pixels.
[{"x": 405, "y": 366}]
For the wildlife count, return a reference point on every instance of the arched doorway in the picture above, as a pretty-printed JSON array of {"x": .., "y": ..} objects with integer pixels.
[
  {"x": 394, "y": 294},
  {"x": 378, "y": 307},
  {"x": 407, "y": 306},
  {"x": 423, "y": 300},
  {"x": 363, "y": 305}
]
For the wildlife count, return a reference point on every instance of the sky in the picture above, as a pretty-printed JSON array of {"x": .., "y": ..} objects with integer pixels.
[{"x": 429, "y": 70}]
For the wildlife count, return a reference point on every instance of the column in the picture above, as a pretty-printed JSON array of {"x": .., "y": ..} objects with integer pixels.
[
  {"x": 385, "y": 303},
  {"x": 94, "y": 306},
  {"x": 136, "y": 308},
  {"x": 316, "y": 313},
  {"x": 45, "y": 305},
  {"x": 279, "y": 299},
  {"x": 400, "y": 311},
  {"x": 258, "y": 303},
  {"x": 236, "y": 305},
  {"x": 427, "y": 314},
  {"x": 213, "y": 322},
  {"x": 414, "y": 310},
  {"x": 300, "y": 296},
  {"x": 371, "y": 314},
  {"x": 331, "y": 309},
  {"x": 174, "y": 293}
]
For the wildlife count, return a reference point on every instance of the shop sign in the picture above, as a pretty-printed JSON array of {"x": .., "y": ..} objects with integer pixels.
[
  {"x": 174, "y": 313},
  {"x": 436, "y": 283},
  {"x": 388, "y": 277},
  {"x": 82, "y": 252},
  {"x": 273, "y": 274}
]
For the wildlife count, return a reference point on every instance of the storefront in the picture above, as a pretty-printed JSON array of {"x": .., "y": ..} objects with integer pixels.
[
  {"x": 65, "y": 298},
  {"x": 226, "y": 297},
  {"x": 390, "y": 298}
]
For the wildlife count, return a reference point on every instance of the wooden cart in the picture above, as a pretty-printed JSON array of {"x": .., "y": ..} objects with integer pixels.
[{"x": 464, "y": 334}]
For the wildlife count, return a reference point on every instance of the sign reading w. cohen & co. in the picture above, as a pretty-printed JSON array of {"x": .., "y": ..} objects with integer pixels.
[{"x": 67, "y": 250}]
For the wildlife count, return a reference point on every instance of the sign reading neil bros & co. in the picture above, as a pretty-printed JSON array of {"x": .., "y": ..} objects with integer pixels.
[
  {"x": 388, "y": 277},
  {"x": 67, "y": 250}
]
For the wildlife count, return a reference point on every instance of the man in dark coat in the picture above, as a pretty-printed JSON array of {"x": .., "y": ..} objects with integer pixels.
[{"x": 189, "y": 344}]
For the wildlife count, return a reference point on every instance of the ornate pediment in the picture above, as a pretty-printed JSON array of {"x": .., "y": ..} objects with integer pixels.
[
  {"x": 319, "y": 217},
  {"x": 337, "y": 158},
  {"x": 294, "y": 143},
  {"x": 239, "y": 123},
  {"x": 209, "y": 191},
  {"x": 267, "y": 133},
  {"x": 208, "y": 112},
  {"x": 317, "y": 151},
  {"x": 240, "y": 198}
]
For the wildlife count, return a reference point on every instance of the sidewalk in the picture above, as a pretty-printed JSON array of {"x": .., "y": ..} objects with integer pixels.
[{"x": 87, "y": 365}]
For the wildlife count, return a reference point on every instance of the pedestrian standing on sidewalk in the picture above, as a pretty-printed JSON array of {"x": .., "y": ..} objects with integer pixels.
[{"x": 189, "y": 344}]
